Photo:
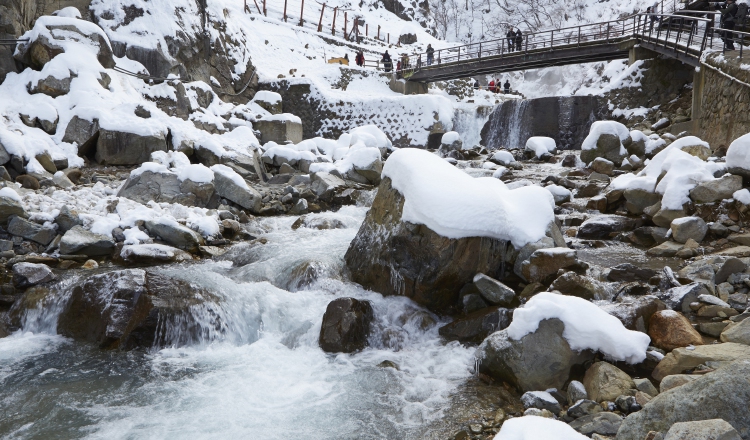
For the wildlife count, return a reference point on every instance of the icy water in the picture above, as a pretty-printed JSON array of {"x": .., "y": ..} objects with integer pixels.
[{"x": 260, "y": 376}]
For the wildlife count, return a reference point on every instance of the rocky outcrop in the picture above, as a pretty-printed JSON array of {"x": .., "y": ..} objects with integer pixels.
[
  {"x": 346, "y": 325},
  {"x": 722, "y": 394},
  {"x": 130, "y": 308},
  {"x": 683, "y": 359},
  {"x": 394, "y": 257},
  {"x": 119, "y": 147},
  {"x": 167, "y": 187},
  {"x": 538, "y": 361},
  {"x": 30, "y": 274},
  {"x": 81, "y": 241}
]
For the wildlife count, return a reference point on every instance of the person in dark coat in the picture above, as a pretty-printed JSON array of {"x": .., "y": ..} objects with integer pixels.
[
  {"x": 430, "y": 54},
  {"x": 728, "y": 15},
  {"x": 476, "y": 85},
  {"x": 360, "y": 59},
  {"x": 507, "y": 86},
  {"x": 387, "y": 62},
  {"x": 511, "y": 37},
  {"x": 519, "y": 39}
]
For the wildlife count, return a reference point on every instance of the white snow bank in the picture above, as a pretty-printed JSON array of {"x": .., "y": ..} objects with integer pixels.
[
  {"x": 372, "y": 136},
  {"x": 10, "y": 193},
  {"x": 599, "y": 128},
  {"x": 738, "y": 154},
  {"x": 450, "y": 137},
  {"x": 504, "y": 157},
  {"x": 683, "y": 173},
  {"x": 455, "y": 205},
  {"x": 537, "y": 428},
  {"x": 230, "y": 174},
  {"x": 267, "y": 96},
  {"x": 541, "y": 145},
  {"x": 742, "y": 196},
  {"x": 587, "y": 327},
  {"x": 197, "y": 173}
]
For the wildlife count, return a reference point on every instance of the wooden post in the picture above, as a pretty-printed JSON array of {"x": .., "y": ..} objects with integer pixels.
[
  {"x": 320, "y": 22},
  {"x": 356, "y": 28},
  {"x": 367, "y": 30},
  {"x": 302, "y": 14},
  {"x": 389, "y": 38},
  {"x": 346, "y": 19},
  {"x": 333, "y": 25},
  {"x": 378, "y": 32},
  {"x": 285, "y": 2},
  {"x": 256, "y": 6},
  {"x": 265, "y": 11}
]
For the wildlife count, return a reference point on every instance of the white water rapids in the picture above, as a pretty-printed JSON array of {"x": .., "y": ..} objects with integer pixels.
[{"x": 262, "y": 376}]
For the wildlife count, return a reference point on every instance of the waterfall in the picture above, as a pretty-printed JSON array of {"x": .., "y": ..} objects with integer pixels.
[
  {"x": 468, "y": 122},
  {"x": 567, "y": 120}
]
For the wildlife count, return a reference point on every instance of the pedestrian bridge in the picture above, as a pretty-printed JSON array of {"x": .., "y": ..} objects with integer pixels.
[{"x": 684, "y": 36}]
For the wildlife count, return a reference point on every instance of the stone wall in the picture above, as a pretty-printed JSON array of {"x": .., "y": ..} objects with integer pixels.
[
  {"x": 725, "y": 104},
  {"x": 327, "y": 117}
]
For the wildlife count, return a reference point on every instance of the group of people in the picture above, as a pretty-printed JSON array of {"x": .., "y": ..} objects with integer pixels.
[
  {"x": 494, "y": 86},
  {"x": 729, "y": 13},
  {"x": 515, "y": 39}
]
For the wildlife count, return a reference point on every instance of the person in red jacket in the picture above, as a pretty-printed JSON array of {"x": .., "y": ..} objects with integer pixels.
[
  {"x": 491, "y": 86},
  {"x": 360, "y": 59}
]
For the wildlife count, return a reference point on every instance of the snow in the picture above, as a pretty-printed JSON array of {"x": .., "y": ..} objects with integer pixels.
[
  {"x": 738, "y": 154},
  {"x": 207, "y": 226},
  {"x": 537, "y": 428},
  {"x": 282, "y": 117},
  {"x": 499, "y": 172},
  {"x": 682, "y": 173},
  {"x": 587, "y": 327},
  {"x": 742, "y": 196},
  {"x": 267, "y": 96},
  {"x": 455, "y": 205},
  {"x": 230, "y": 174},
  {"x": 449, "y": 138},
  {"x": 152, "y": 249},
  {"x": 599, "y": 128},
  {"x": 504, "y": 157},
  {"x": 558, "y": 191},
  {"x": 134, "y": 236},
  {"x": 542, "y": 395},
  {"x": 372, "y": 136},
  {"x": 10, "y": 194},
  {"x": 197, "y": 173},
  {"x": 156, "y": 168},
  {"x": 541, "y": 145}
]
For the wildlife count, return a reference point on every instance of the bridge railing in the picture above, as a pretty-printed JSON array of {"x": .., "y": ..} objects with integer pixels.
[
  {"x": 610, "y": 31},
  {"x": 687, "y": 32}
]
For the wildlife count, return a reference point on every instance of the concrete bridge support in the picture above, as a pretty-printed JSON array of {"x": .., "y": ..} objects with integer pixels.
[{"x": 407, "y": 87}]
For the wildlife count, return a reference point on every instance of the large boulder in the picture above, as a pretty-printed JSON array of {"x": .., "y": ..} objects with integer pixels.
[
  {"x": 233, "y": 187},
  {"x": 120, "y": 147},
  {"x": 83, "y": 133},
  {"x": 52, "y": 35},
  {"x": 722, "y": 394},
  {"x": 546, "y": 262},
  {"x": 175, "y": 234},
  {"x": 737, "y": 332},
  {"x": 604, "y": 226},
  {"x": 326, "y": 185},
  {"x": 10, "y": 206},
  {"x": 493, "y": 291},
  {"x": 128, "y": 308},
  {"x": 161, "y": 185},
  {"x": 31, "y": 231},
  {"x": 738, "y": 157},
  {"x": 346, "y": 325},
  {"x": 30, "y": 274},
  {"x": 395, "y": 257},
  {"x": 682, "y": 359},
  {"x": 607, "y": 139},
  {"x": 84, "y": 242},
  {"x": 686, "y": 228},
  {"x": 714, "y": 429},
  {"x": 476, "y": 326},
  {"x": 716, "y": 190},
  {"x": 669, "y": 330},
  {"x": 605, "y": 382},
  {"x": 538, "y": 361}
]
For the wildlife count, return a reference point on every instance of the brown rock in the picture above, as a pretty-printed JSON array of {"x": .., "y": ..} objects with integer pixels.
[{"x": 669, "y": 330}]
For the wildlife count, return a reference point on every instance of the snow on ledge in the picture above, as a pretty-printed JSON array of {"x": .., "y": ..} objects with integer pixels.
[
  {"x": 586, "y": 326},
  {"x": 456, "y": 205},
  {"x": 535, "y": 428}
]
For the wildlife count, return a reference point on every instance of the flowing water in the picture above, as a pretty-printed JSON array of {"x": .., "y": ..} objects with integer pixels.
[{"x": 261, "y": 376}]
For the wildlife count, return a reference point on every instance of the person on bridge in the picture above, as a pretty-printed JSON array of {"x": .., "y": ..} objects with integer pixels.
[
  {"x": 511, "y": 37},
  {"x": 728, "y": 14},
  {"x": 430, "y": 54},
  {"x": 360, "y": 59},
  {"x": 491, "y": 86},
  {"x": 519, "y": 39},
  {"x": 507, "y": 86},
  {"x": 387, "y": 62},
  {"x": 476, "y": 84}
]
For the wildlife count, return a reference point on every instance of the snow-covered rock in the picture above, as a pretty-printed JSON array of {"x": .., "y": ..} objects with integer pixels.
[
  {"x": 81, "y": 241},
  {"x": 233, "y": 187},
  {"x": 606, "y": 139},
  {"x": 738, "y": 157},
  {"x": 540, "y": 146}
]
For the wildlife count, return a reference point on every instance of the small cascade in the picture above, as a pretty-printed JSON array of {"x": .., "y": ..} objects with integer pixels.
[
  {"x": 565, "y": 119},
  {"x": 468, "y": 122}
]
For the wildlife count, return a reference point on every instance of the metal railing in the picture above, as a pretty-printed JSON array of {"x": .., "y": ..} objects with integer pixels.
[{"x": 687, "y": 33}]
